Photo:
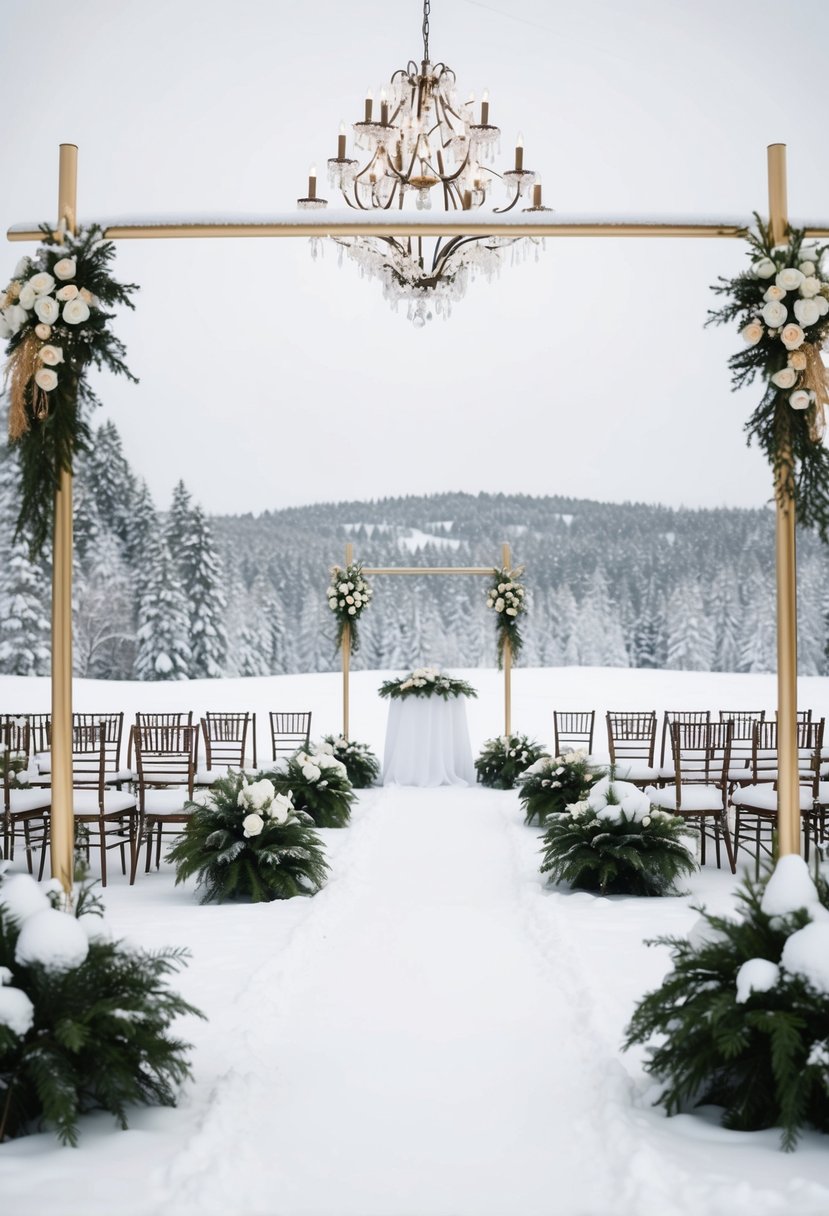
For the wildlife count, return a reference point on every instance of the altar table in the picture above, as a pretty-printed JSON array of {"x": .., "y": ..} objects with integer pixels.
[{"x": 427, "y": 743}]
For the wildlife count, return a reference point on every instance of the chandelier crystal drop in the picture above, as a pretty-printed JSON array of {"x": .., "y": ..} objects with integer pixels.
[{"x": 425, "y": 148}]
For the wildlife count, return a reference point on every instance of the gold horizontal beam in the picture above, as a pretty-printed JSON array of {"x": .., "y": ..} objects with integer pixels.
[
  {"x": 399, "y": 227},
  {"x": 427, "y": 569}
]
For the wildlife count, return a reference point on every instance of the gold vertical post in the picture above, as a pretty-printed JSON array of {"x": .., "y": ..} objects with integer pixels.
[
  {"x": 346, "y": 651},
  {"x": 62, "y": 817},
  {"x": 505, "y": 562},
  {"x": 788, "y": 786}
]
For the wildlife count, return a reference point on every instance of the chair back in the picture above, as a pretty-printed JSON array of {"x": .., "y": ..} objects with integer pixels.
[
  {"x": 89, "y": 756},
  {"x": 289, "y": 733},
  {"x": 701, "y": 753},
  {"x": 15, "y": 739},
  {"x": 765, "y": 751},
  {"x": 226, "y": 739},
  {"x": 573, "y": 730},
  {"x": 40, "y": 732},
  {"x": 165, "y": 755},
  {"x": 631, "y": 736},
  {"x": 694, "y": 716},
  {"x": 111, "y": 728},
  {"x": 743, "y": 720},
  {"x": 158, "y": 720}
]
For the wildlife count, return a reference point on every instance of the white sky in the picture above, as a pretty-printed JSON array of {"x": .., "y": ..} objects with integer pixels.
[{"x": 268, "y": 379}]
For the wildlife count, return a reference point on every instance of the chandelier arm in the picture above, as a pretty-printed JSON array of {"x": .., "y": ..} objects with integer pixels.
[{"x": 504, "y": 210}]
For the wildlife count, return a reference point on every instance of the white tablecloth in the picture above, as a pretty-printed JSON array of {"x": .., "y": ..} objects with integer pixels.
[{"x": 427, "y": 743}]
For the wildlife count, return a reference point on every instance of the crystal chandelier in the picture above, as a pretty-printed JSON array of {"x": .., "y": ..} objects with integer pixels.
[{"x": 422, "y": 145}]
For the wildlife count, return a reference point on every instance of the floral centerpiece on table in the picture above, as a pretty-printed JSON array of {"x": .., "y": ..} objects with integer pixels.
[
  {"x": 614, "y": 842},
  {"x": 507, "y": 598},
  {"x": 319, "y": 785},
  {"x": 503, "y": 760},
  {"x": 84, "y": 1020},
  {"x": 348, "y": 595},
  {"x": 553, "y": 783},
  {"x": 426, "y": 682},
  {"x": 55, "y": 316},
  {"x": 247, "y": 840},
  {"x": 742, "y": 1019},
  {"x": 781, "y": 304},
  {"x": 361, "y": 765}
]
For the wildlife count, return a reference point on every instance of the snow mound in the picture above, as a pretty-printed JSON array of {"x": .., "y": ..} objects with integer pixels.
[
  {"x": 806, "y": 953},
  {"x": 21, "y": 897},
  {"x": 53, "y": 940},
  {"x": 16, "y": 1011},
  {"x": 756, "y": 975}
]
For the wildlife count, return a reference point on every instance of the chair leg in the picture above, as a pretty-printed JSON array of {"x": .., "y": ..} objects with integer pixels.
[
  {"x": 103, "y": 845},
  {"x": 717, "y": 842},
  {"x": 729, "y": 848},
  {"x": 149, "y": 826}
]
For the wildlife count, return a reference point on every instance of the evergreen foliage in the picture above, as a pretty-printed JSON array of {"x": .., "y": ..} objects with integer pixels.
[
  {"x": 318, "y": 785},
  {"x": 361, "y": 765},
  {"x": 203, "y": 580},
  {"x": 25, "y": 639},
  {"x": 163, "y": 651},
  {"x": 615, "y": 843},
  {"x": 426, "y": 682},
  {"x": 504, "y": 759},
  {"x": 763, "y": 1059},
  {"x": 245, "y": 841},
  {"x": 553, "y": 783},
  {"x": 99, "y": 1034}
]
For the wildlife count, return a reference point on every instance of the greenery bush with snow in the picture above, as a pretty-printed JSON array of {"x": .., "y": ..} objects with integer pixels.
[
  {"x": 319, "y": 786},
  {"x": 361, "y": 765},
  {"x": 553, "y": 783},
  {"x": 742, "y": 1019},
  {"x": 503, "y": 760},
  {"x": 84, "y": 1021},
  {"x": 616, "y": 843},
  {"x": 246, "y": 840}
]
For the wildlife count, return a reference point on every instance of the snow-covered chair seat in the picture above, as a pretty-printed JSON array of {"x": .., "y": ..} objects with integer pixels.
[
  {"x": 24, "y": 807},
  {"x": 694, "y": 799},
  {"x": 636, "y": 771},
  {"x": 763, "y": 797}
]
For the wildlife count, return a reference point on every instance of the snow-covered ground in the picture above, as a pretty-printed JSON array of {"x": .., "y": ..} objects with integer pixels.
[{"x": 437, "y": 1032}]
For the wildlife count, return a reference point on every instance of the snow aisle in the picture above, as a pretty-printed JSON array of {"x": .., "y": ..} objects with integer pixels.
[{"x": 396, "y": 1060}]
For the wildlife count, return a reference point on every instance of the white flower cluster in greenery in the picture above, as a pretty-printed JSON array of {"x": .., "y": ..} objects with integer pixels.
[
  {"x": 46, "y": 302},
  {"x": 348, "y": 593},
  {"x": 506, "y": 596},
  {"x": 261, "y": 801},
  {"x": 795, "y": 302},
  {"x": 553, "y": 770},
  {"x": 318, "y": 762},
  {"x": 423, "y": 676},
  {"x": 610, "y": 800}
]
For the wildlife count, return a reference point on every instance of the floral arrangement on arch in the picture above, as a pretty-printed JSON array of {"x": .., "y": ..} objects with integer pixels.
[
  {"x": 348, "y": 594},
  {"x": 781, "y": 304},
  {"x": 614, "y": 842},
  {"x": 507, "y": 598},
  {"x": 247, "y": 840},
  {"x": 554, "y": 783},
  {"x": 426, "y": 682},
  {"x": 54, "y": 316},
  {"x": 503, "y": 760}
]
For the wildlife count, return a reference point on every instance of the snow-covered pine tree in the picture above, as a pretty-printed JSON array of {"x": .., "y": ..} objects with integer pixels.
[
  {"x": 25, "y": 640},
  {"x": 178, "y": 525},
  {"x": 203, "y": 581},
  {"x": 110, "y": 479},
  {"x": 142, "y": 529},
  {"x": 104, "y": 646},
  {"x": 163, "y": 627},
  {"x": 690, "y": 630}
]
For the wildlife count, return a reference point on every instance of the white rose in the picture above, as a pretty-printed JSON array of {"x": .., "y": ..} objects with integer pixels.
[
  {"x": 41, "y": 283},
  {"x": 46, "y": 379},
  {"x": 43, "y": 331},
  {"x": 76, "y": 311},
  {"x": 281, "y": 808},
  {"x": 27, "y": 296},
  {"x": 310, "y": 772},
  {"x": 502, "y": 588},
  {"x": 343, "y": 588},
  {"x": 16, "y": 316},
  {"x": 66, "y": 293},
  {"x": 806, "y": 311},
  {"x": 797, "y": 360},
  {"x": 810, "y": 285},
  {"x": 787, "y": 378},
  {"x": 790, "y": 278},
  {"x": 352, "y": 611},
  {"x": 47, "y": 309},
  {"x": 752, "y": 333},
  {"x": 765, "y": 269},
  {"x": 792, "y": 336},
  {"x": 775, "y": 313},
  {"x": 51, "y": 355},
  {"x": 822, "y": 305},
  {"x": 646, "y": 819},
  {"x": 499, "y": 605},
  {"x": 66, "y": 268},
  {"x": 332, "y": 604},
  {"x": 331, "y": 592},
  {"x": 512, "y": 612},
  {"x": 774, "y": 293},
  {"x": 800, "y": 399},
  {"x": 252, "y": 824},
  {"x": 342, "y": 604},
  {"x": 349, "y": 599}
]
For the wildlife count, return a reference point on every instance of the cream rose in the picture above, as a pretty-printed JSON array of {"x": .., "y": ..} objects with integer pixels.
[
  {"x": 800, "y": 399},
  {"x": 772, "y": 293},
  {"x": 66, "y": 268},
  {"x": 352, "y": 611},
  {"x": 810, "y": 286},
  {"x": 47, "y": 309},
  {"x": 806, "y": 268},
  {"x": 792, "y": 337},
  {"x": 787, "y": 378},
  {"x": 46, "y": 379},
  {"x": 797, "y": 360},
  {"x": 41, "y": 283},
  {"x": 822, "y": 305},
  {"x": 86, "y": 295},
  {"x": 765, "y": 269},
  {"x": 752, "y": 333},
  {"x": 75, "y": 311},
  {"x": 790, "y": 278},
  {"x": 252, "y": 825},
  {"x": 27, "y": 296},
  {"x": 70, "y": 291},
  {"x": 775, "y": 313},
  {"x": 806, "y": 311},
  {"x": 43, "y": 331},
  {"x": 51, "y": 355}
]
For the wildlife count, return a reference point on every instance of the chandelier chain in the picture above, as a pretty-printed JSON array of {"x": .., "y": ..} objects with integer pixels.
[{"x": 426, "y": 7}]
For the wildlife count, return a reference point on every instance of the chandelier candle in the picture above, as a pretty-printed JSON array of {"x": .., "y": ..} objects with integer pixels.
[{"x": 519, "y": 154}]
